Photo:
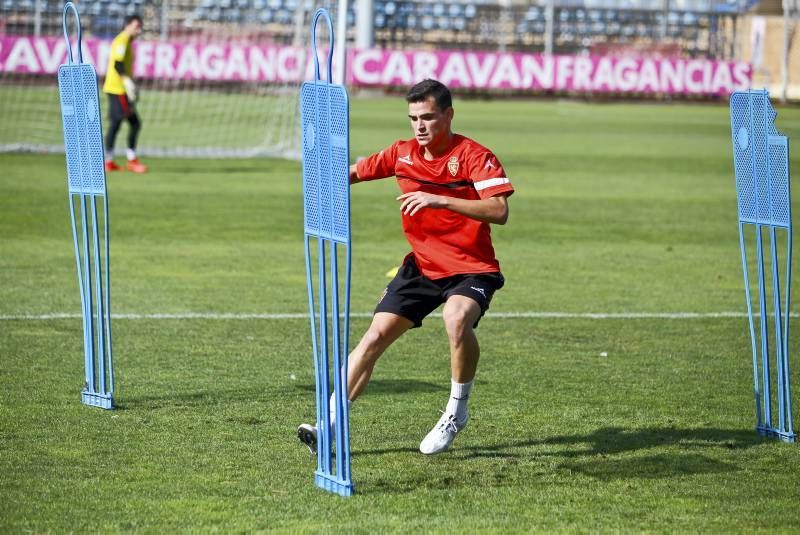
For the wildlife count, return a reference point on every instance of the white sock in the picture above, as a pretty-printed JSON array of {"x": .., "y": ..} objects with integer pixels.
[
  {"x": 110, "y": 155},
  {"x": 459, "y": 396},
  {"x": 131, "y": 154},
  {"x": 332, "y": 412}
]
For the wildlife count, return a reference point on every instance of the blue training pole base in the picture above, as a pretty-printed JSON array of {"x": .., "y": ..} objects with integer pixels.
[
  {"x": 94, "y": 399},
  {"x": 333, "y": 484},
  {"x": 771, "y": 432}
]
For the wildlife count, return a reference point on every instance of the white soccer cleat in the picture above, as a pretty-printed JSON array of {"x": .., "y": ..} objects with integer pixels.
[
  {"x": 308, "y": 436},
  {"x": 442, "y": 434}
]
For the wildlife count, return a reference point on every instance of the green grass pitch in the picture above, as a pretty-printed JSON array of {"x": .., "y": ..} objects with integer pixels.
[{"x": 578, "y": 424}]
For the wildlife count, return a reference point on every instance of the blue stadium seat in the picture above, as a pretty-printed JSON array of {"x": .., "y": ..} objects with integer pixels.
[
  {"x": 283, "y": 16},
  {"x": 232, "y": 15},
  {"x": 533, "y": 13},
  {"x": 470, "y": 10},
  {"x": 265, "y": 17}
]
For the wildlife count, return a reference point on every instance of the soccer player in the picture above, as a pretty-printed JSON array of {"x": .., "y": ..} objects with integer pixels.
[
  {"x": 452, "y": 190},
  {"x": 121, "y": 91}
]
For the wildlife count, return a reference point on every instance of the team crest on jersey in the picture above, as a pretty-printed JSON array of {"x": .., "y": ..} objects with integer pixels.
[{"x": 452, "y": 165}]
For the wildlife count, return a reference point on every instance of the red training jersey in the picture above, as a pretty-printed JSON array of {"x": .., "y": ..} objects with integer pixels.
[{"x": 443, "y": 242}]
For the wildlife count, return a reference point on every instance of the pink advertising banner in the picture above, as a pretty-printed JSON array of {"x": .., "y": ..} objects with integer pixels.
[{"x": 533, "y": 73}]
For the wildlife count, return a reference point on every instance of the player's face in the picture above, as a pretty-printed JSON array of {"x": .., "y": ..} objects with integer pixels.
[
  {"x": 430, "y": 124},
  {"x": 134, "y": 29}
]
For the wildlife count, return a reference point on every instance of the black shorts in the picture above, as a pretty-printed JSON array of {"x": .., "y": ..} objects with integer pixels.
[
  {"x": 119, "y": 107},
  {"x": 413, "y": 295}
]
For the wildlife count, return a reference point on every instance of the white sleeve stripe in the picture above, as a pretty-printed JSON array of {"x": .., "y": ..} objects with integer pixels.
[{"x": 483, "y": 184}]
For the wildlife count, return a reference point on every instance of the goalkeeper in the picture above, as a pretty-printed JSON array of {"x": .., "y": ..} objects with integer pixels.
[{"x": 122, "y": 94}]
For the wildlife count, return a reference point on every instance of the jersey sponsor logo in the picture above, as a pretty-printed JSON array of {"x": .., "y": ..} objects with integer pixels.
[
  {"x": 453, "y": 165},
  {"x": 405, "y": 159}
]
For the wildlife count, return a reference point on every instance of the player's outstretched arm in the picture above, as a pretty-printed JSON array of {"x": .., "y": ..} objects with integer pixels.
[
  {"x": 492, "y": 210},
  {"x": 354, "y": 174}
]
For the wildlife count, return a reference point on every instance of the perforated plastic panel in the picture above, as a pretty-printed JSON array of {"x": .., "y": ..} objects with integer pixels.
[
  {"x": 83, "y": 135},
  {"x": 760, "y": 161},
  {"x": 324, "y": 113},
  {"x": 779, "y": 179}
]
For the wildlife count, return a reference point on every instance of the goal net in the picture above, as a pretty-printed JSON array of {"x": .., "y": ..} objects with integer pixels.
[{"x": 216, "y": 78}]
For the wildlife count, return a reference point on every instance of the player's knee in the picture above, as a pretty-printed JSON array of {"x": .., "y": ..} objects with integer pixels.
[
  {"x": 457, "y": 320},
  {"x": 374, "y": 342}
]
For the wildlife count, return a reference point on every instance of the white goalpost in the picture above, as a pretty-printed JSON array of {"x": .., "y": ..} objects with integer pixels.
[{"x": 217, "y": 79}]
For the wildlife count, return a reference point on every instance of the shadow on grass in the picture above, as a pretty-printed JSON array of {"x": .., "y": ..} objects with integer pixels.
[
  {"x": 216, "y": 396},
  {"x": 607, "y": 454},
  {"x": 196, "y": 398},
  {"x": 394, "y": 386}
]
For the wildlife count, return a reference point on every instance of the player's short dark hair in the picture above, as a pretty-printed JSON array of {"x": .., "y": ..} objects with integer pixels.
[
  {"x": 131, "y": 18},
  {"x": 431, "y": 88}
]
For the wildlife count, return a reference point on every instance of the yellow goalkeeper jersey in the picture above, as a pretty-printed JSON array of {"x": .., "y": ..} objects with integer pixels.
[{"x": 121, "y": 50}]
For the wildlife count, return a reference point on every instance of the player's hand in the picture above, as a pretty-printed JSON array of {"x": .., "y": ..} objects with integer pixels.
[
  {"x": 130, "y": 89},
  {"x": 414, "y": 201}
]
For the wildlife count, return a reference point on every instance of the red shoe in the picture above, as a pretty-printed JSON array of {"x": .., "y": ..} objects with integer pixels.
[
  {"x": 135, "y": 166},
  {"x": 111, "y": 166}
]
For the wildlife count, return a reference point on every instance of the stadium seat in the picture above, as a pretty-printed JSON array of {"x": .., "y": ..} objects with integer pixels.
[
  {"x": 232, "y": 15},
  {"x": 265, "y": 17}
]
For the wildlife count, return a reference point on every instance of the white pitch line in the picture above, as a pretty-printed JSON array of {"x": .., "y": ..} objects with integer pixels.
[{"x": 302, "y": 315}]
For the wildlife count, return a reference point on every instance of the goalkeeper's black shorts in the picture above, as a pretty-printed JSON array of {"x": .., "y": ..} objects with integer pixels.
[{"x": 119, "y": 107}]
